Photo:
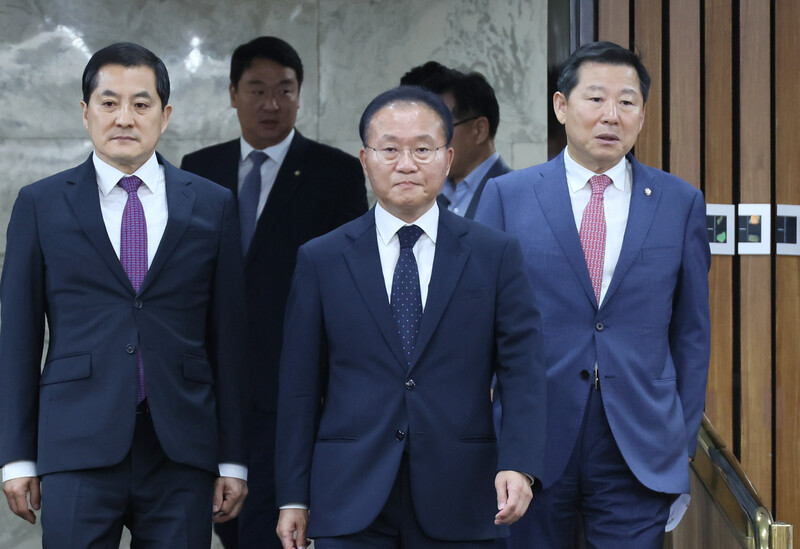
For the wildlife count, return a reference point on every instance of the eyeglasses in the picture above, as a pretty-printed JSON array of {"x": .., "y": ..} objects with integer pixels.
[
  {"x": 470, "y": 119},
  {"x": 391, "y": 155}
]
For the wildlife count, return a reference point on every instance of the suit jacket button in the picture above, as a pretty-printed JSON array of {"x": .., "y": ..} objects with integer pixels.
[
  {"x": 584, "y": 374},
  {"x": 400, "y": 435},
  {"x": 130, "y": 349},
  {"x": 599, "y": 327},
  {"x": 410, "y": 384},
  {"x": 137, "y": 303}
]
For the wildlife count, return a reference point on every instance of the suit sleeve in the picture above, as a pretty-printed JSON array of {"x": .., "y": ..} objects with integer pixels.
[
  {"x": 690, "y": 325},
  {"x": 302, "y": 370},
  {"x": 226, "y": 338},
  {"x": 22, "y": 294},
  {"x": 352, "y": 197},
  {"x": 520, "y": 368}
]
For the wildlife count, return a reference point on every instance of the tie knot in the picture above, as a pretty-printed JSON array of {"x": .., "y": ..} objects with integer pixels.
[
  {"x": 130, "y": 183},
  {"x": 408, "y": 236},
  {"x": 258, "y": 157},
  {"x": 599, "y": 183}
]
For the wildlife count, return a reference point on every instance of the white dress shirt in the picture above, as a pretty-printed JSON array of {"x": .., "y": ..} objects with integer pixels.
[
  {"x": 269, "y": 168},
  {"x": 424, "y": 249},
  {"x": 153, "y": 196},
  {"x": 616, "y": 203}
]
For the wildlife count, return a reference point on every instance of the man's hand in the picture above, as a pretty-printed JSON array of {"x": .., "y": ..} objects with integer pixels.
[
  {"x": 513, "y": 496},
  {"x": 292, "y": 524},
  {"x": 229, "y": 494},
  {"x": 17, "y": 490}
]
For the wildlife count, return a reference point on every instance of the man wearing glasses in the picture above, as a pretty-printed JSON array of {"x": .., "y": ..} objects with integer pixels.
[
  {"x": 395, "y": 324},
  {"x": 476, "y": 115}
]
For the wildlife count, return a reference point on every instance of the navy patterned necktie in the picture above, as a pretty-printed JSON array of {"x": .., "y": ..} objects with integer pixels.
[
  {"x": 406, "y": 298},
  {"x": 133, "y": 253},
  {"x": 248, "y": 199}
]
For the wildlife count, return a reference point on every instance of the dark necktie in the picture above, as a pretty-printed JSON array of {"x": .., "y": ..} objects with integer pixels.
[
  {"x": 133, "y": 253},
  {"x": 248, "y": 199},
  {"x": 406, "y": 298},
  {"x": 593, "y": 232}
]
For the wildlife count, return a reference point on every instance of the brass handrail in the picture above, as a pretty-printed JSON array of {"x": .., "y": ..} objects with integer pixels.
[{"x": 721, "y": 474}]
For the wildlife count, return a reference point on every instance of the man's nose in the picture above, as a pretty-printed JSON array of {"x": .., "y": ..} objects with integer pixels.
[
  {"x": 610, "y": 115},
  {"x": 124, "y": 117},
  {"x": 406, "y": 161}
]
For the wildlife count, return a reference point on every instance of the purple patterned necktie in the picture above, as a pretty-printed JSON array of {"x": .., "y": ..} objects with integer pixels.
[
  {"x": 406, "y": 298},
  {"x": 133, "y": 253},
  {"x": 593, "y": 232}
]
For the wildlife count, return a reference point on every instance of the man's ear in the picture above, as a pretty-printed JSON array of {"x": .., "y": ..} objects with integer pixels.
[{"x": 560, "y": 106}]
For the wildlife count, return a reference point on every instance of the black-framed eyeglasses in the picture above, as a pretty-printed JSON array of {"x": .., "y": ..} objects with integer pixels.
[
  {"x": 470, "y": 119},
  {"x": 391, "y": 155}
]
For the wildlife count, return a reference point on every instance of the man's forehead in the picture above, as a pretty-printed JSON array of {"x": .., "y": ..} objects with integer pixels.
[
  {"x": 418, "y": 117},
  {"x": 595, "y": 67}
]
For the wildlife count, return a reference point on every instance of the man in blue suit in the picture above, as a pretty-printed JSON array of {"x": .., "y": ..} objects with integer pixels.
[
  {"x": 476, "y": 115},
  {"x": 136, "y": 268},
  {"x": 395, "y": 324},
  {"x": 618, "y": 258}
]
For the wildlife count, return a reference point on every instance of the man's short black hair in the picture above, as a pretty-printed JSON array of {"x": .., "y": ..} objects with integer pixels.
[
  {"x": 265, "y": 47},
  {"x": 432, "y": 76},
  {"x": 474, "y": 96},
  {"x": 410, "y": 95},
  {"x": 607, "y": 53},
  {"x": 126, "y": 54}
]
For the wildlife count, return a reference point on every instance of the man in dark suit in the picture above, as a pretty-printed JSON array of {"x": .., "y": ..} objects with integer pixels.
[
  {"x": 136, "y": 268},
  {"x": 395, "y": 325},
  {"x": 618, "y": 258},
  {"x": 476, "y": 115},
  {"x": 303, "y": 189}
]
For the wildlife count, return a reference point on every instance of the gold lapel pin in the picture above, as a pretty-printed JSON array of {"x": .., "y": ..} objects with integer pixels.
[
  {"x": 647, "y": 191},
  {"x": 297, "y": 173}
]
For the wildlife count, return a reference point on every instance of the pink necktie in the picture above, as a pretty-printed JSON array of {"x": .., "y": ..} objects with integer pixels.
[
  {"x": 593, "y": 232},
  {"x": 133, "y": 253}
]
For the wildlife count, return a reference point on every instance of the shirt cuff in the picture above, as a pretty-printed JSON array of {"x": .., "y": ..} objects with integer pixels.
[
  {"x": 294, "y": 506},
  {"x": 19, "y": 469},
  {"x": 233, "y": 470}
]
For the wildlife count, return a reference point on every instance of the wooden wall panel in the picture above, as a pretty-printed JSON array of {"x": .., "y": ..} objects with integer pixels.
[
  {"x": 647, "y": 41},
  {"x": 718, "y": 186},
  {"x": 613, "y": 21},
  {"x": 684, "y": 90},
  {"x": 755, "y": 282},
  {"x": 787, "y": 268}
]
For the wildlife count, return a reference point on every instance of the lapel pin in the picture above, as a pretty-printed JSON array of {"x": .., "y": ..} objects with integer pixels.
[
  {"x": 647, "y": 191},
  {"x": 297, "y": 173}
]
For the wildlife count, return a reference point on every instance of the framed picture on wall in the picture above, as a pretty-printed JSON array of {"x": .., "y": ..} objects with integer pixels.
[
  {"x": 787, "y": 240},
  {"x": 720, "y": 227},
  {"x": 753, "y": 229}
]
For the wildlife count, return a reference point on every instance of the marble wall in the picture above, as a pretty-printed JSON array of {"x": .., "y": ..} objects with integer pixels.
[{"x": 351, "y": 49}]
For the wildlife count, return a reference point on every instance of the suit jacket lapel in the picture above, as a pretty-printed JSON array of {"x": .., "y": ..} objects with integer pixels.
[
  {"x": 640, "y": 217},
  {"x": 496, "y": 170},
  {"x": 180, "y": 200},
  {"x": 84, "y": 200},
  {"x": 448, "y": 263},
  {"x": 229, "y": 166},
  {"x": 553, "y": 195},
  {"x": 365, "y": 267},
  {"x": 287, "y": 181}
]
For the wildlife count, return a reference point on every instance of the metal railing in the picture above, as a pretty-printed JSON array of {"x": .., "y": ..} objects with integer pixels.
[{"x": 725, "y": 508}]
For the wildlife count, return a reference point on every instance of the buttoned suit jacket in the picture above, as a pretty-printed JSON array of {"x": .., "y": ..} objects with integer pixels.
[
  {"x": 349, "y": 406},
  {"x": 317, "y": 189},
  {"x": 60, "y": 266},
  {"x": 651, "y": 335}
]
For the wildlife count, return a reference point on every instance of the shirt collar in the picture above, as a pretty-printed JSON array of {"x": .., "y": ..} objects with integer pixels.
[
  {"x": 276, "y": 152},
  {"x": 108, "y": 176},
  {"x": 578, "y": 176},
  {"x": 475, "y": 176},
  {"x": 388, "y": 224}
]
